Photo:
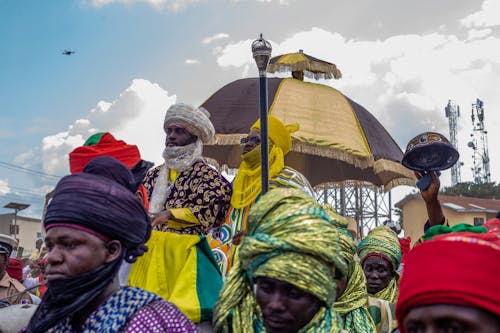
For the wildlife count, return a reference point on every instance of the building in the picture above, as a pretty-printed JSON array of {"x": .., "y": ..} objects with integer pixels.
[
  {"x": 29, "y": 230},
  {"x": 474, "y": 211}
]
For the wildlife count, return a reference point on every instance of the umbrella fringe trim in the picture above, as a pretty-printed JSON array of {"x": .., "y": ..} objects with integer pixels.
[
  {"x": 381, "y": 166},
  {"x": 303, "y": 147},
  {"x": 397, "y": 182},
  {"x": 406, "y": 176},
  {"x": 329, "y": 152}
]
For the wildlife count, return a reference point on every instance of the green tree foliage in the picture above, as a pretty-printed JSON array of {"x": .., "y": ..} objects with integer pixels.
[{"x": 475, "y": 190}]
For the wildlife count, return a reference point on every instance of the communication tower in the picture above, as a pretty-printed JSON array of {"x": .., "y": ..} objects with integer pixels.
[
  {"x": 452, "y": 112},
  {"x": 479, "y": 144},
  {"x": 368, "y": 205}
]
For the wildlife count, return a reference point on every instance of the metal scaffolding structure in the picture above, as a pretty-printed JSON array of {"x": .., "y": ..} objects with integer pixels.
[
  {"x": 369, "y": 206},
  {"x": 479, "y": 145},
  {"x": 452, "y": 112}
]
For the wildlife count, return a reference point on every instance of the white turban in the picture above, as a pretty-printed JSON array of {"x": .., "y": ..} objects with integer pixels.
[{"x": 195, "y": 121}]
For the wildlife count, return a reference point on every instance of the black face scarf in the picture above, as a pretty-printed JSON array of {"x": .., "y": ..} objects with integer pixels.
[
  {"x": 67, "y": 297},
  {"x": 101, "y": 199}
]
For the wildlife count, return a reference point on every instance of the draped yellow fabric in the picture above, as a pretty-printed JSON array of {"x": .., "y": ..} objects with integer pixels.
[
  {"x": 247, "y": 184},
  {"x": 304, "y": 103},
  {"x": 389, "y": 293},
  {"x": 352, "y": 305},
  {"x": 172, "y": 175},
  {"x": 176, "y": 282},
  {"x": 181, "y": 218}
]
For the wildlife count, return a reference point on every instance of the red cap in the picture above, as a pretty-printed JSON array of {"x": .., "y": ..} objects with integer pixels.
[
  {"x": 456, "y": 268},
  {"x": 107, "y": 146}
]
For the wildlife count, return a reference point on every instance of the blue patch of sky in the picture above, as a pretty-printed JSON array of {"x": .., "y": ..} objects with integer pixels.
[{"x": 42, "y": 91}]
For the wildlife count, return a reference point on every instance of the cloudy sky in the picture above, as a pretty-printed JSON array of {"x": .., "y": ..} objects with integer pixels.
[{"x": 401, "y": 59}]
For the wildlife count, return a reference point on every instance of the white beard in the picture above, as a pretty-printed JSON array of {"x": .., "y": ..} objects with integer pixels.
[{"x": 180, "y": 158}]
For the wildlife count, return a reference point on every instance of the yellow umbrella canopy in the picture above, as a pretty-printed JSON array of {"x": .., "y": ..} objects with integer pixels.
[
  {"x": 339, "y": 141},
  {"x": 300, "y": 62}
]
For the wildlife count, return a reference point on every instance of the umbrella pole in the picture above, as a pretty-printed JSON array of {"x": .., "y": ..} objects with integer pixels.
[
  {"x": 264, "y": 143},
  {"x": 261, "y": 50}
]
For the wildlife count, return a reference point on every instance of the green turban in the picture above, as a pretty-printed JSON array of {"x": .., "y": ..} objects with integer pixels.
[
  {"x": 383, "y": 241},
  {"x": 289, "y": 237}
]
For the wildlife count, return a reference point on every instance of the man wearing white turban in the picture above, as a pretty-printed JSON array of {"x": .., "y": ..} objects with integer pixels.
[
  {"x": 187, "y": 198},
  {"x": 187, "y": 195}
]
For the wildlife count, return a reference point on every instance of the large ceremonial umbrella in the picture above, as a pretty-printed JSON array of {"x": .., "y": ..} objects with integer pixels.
[
  {"x": 301, "y": 62},
  {"x": 339, "y": 141}
]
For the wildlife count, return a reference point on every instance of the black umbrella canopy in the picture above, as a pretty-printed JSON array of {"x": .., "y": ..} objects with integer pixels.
[{"x": 339, "y": 141}]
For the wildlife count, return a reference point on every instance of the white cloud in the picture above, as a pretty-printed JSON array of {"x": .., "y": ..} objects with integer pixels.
[
  {"x": 488, "y": 16},
  {"x": 24, "y": 157},
  {"x": 4, "y": 186},
  {"x": 236, "y": 54},
  {"x": 478, "y": 34},
  {"x": 192, "y": 62},
  {"x": 404, "y": 80},
  {"x": 135, "y": 117},
  {"x": 210, "y": 39},
  {"x": 173, "y": 5},
  {"x": 420, "y": 101}
]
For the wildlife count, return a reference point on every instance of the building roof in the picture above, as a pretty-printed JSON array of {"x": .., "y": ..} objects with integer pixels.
[
  {"x": 19, "y": 217},
  {"x": 459, "y": 204}
]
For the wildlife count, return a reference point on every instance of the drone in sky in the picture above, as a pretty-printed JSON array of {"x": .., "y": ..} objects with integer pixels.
[{"x": 68, "y": 52}]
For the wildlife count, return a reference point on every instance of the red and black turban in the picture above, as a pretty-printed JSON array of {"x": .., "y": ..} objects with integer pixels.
[
  {"x": 103, "y": 144},
  {"x": 101, "y": 200}
]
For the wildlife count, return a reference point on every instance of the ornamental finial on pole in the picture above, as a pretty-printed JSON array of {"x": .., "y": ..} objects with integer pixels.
[{"x": 261, "y": 50}]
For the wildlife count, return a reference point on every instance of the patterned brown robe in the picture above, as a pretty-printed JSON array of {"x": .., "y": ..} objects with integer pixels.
[{"x": 200, "y": 188}]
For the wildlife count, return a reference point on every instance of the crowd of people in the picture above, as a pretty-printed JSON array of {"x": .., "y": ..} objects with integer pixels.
[{"x": 177, "y": 248}]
